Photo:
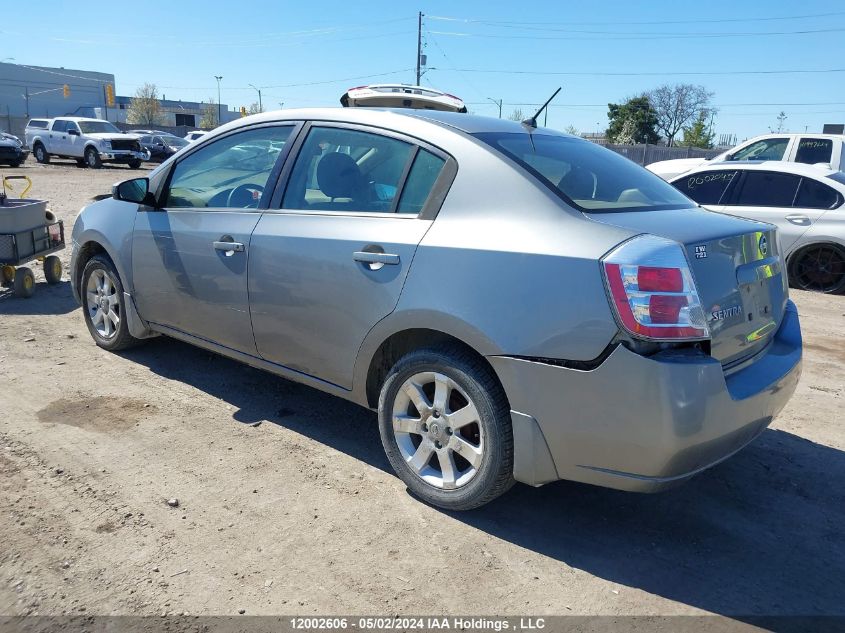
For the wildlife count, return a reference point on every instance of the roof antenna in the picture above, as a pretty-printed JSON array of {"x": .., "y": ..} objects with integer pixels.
[{"x": 531, "y": 122}]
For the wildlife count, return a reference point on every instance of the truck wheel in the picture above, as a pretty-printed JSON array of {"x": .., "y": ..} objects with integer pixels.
[
  {"x": 52, "y": 269},
  {"x": 24, "y": 282},
  {"x": 41, "y": 154},
  {"x": 134, "y": 164},
  {"x": 103, "y": 306},
  {"x": 445, "y": 426},
  {"x": 92, "y": 158}
]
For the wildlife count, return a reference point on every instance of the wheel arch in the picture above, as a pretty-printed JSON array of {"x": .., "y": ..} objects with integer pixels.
[
  {"x": 397, "y": 335},
  {"x": 88, "y": 248}
]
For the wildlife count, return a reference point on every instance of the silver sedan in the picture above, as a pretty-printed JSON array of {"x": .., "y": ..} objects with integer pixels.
[{"x": 517, "y": 304}]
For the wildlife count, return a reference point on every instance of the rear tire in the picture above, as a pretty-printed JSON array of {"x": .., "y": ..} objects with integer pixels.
[
  {"x": 24, "y": 284},
  {"x": 52, "y": 269},
  {"x": 103, "y": 305},
  {"x": 818, "y": 267},
  {"x": 41, "y": 155},
  {"x": 134, "y": 164},
  {"x": 446, "y": 429},
  {"x": 92, "y": 158}
]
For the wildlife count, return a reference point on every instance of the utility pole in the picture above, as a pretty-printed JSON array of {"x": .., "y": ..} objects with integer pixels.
[
  {"x": 498, "y": 105},
  {"x": 419, "y": 45},
  {"x": 258, "y": 90},
  {"x": 26, "y": 89},
  {"x": 218, "y": 78}
]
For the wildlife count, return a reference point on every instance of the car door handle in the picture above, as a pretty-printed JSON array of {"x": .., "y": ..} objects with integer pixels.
[
  {"x": 366, "y": 257},
  {"x": 797, "y": 218},
  {"x": 229, "y": 247}
]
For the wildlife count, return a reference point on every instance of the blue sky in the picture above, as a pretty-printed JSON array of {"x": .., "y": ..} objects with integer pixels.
[{"x": 620, "y": 47}]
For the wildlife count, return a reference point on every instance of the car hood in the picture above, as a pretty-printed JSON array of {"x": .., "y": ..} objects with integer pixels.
[{"x": 111, "y": 136}]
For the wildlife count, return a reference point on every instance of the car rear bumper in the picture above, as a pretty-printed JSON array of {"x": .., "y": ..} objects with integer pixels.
[{"x": 644, "y": 423}]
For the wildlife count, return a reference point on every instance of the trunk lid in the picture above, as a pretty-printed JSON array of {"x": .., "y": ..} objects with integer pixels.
[{"x": 737, "y": 269}]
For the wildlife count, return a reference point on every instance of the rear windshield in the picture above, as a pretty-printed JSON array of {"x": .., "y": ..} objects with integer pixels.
[
  {"x": 587, "y": 176},
  {"x": 838, "y": 177},
  {"x": 37, "y": 123}
]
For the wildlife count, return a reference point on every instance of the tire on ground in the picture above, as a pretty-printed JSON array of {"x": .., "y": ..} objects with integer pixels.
[{"x": 121, "y": 338}]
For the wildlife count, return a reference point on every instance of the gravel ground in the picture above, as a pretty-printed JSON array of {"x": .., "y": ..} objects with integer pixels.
[{"x": 301, "y": 513}]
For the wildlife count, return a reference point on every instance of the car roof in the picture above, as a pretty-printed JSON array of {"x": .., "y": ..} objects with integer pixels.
[
  {"x": 78, "y": 118},
  {"x": 469, "y": 123},
  {"x": 799, "y": 169}
]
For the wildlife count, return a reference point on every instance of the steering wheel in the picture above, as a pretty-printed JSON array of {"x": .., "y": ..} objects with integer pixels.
[{"x": 243, "y": 196}]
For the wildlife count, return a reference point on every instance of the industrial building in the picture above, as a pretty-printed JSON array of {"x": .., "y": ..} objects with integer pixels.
[{"x": 39, "y": 91}]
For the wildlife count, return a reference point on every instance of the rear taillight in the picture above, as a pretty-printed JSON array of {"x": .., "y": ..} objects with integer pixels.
[{"x": 653, "y": 291}]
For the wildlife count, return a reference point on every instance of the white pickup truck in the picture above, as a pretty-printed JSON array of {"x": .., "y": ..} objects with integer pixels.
[
  {"x": 813, "y": 149},
  {"x": 90, "y": 141}
]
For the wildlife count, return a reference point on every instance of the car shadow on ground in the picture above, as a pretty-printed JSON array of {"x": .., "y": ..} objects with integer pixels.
[
  {"x": 48, "y": 299},
  {"x": 760, "y": 534}
]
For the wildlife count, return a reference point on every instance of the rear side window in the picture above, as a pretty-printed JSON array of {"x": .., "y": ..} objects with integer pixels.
[
  {"x": 768, "y": 189},
  {"x": 347, "y": 170},
  {"x": 706, "y": 187},
  {"x": 815, "y": 195},
  {"x": 420, "y": 182},
  {"x": 814, "y": 150},
  {"x": 766, "y": 149}
]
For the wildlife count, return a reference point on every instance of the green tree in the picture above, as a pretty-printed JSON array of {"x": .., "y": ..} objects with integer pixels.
[
  {"x": 145, "y": 108},
  {"x": 699, "y": 134},
  {"x": 634, "y": 121}
]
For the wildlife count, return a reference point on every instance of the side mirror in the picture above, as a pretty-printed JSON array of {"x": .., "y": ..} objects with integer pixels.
[
  {"x": 73, "y": 132},
  {"x": 136, "y": 190}
]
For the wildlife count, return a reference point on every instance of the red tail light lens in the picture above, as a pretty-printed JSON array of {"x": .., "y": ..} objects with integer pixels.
[{"x": 653, "y": 290}]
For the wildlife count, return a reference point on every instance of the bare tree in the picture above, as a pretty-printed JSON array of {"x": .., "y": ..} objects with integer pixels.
[
  {"x": 782, "y": 117},
  {"x": 209, "y": 115},
  {"x": 516, "y": 115},
  {"x": 145, "y": 108},
  {"x": 254, "y": 108},
  {"x": 571, "y": 129},
  {"x": 677, "y": 106}
]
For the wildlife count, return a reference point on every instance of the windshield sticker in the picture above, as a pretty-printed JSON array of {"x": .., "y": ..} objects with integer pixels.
[{"x": 694, "y": 181}]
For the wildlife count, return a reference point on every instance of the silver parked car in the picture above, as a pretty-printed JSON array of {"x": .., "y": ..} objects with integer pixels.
[
  {"x": 516, "y": 303},
  {"x": 805, "y": 202}
]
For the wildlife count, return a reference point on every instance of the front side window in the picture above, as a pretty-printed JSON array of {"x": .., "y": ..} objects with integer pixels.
[
  {"x": 814, "y": 195},
  {"x": 347, "y": 170},
  {"x": 586, "y": 175},
  {"x": 706, "y": 187},
  {"x": 59, "y": 126},
  {"x": 229, "y": 173},
  {"x": 98, "y": 127},
  {"x": 814, "y": 150},
  {"x": 768, "y": 189},
  {"x": 767, "y": 149}
]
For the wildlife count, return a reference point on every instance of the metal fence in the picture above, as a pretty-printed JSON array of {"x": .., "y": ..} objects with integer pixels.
[{"x": 646, "y": 154}]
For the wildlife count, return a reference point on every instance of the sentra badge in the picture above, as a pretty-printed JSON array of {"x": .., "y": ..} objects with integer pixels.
[{"x": 720, "y": 314}]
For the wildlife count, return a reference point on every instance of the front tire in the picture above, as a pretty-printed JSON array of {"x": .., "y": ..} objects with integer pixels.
[
  {"x": 134, "y": 164},
  {"x": 92, "y": 158},
  {"x": 445, "y": 426},
  {"x": 41, "y": 155},
  {"x": 103, "y": 305}
]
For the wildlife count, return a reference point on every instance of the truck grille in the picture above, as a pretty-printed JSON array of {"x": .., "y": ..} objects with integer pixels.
[{"x": 131, "y": 145}]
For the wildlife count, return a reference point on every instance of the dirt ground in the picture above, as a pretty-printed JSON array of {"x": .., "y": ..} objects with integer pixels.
[{"x": 300, "y": 514}]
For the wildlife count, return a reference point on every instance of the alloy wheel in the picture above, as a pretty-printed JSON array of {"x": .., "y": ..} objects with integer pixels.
[
  {"x": 437, "y": 430},
  {"x": 102, "y": 303},
  {"x": 820, "y": 268}
]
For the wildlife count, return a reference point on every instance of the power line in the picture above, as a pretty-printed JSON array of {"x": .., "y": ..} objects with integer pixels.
[
  {"x": 625, "y": 35},
  {"x": 632, "y": 22},
  {"x": 644, "y": 74}
]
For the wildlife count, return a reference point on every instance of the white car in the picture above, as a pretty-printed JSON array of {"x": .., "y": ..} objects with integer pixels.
[
  {"x": 805, "y": 202},
  {"x": 401, "y": 96},
  {"x": 193, "y": 136},
  {"x": 91, "y": 142},
  {"x": 811, "y": 149}
]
